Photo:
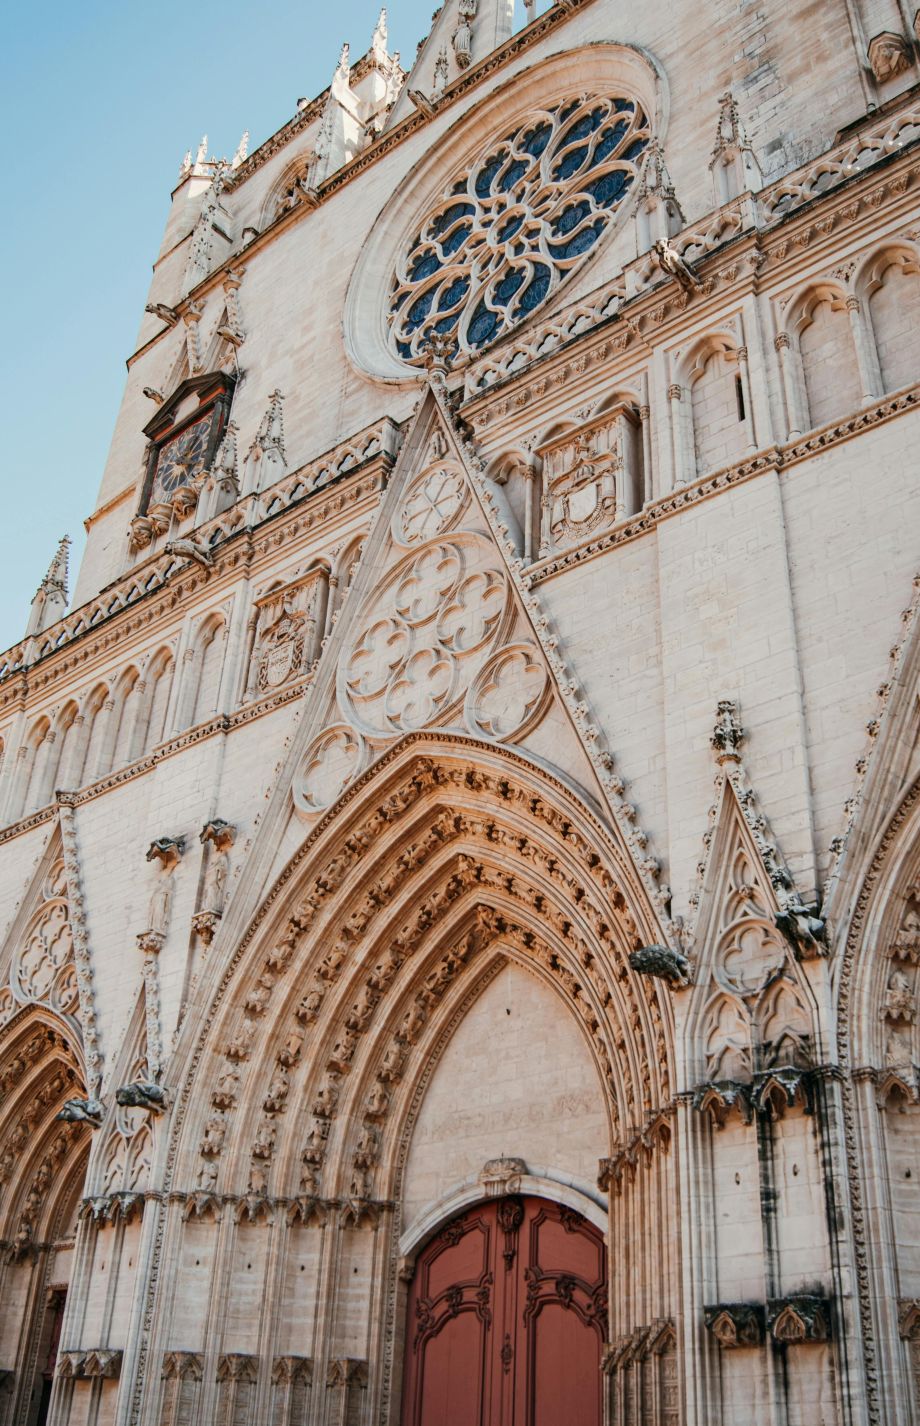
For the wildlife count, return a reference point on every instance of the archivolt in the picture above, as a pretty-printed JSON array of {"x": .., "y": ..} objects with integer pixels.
[
  {"x": 39, "y": 1069},
  {"x": 445, "y": 858}
]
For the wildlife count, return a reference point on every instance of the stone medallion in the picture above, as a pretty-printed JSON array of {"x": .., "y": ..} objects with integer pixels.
[
  {"x": 331, "y": 762},
  {"x": 431, "y": 504},
  {"x": 508, "y": 694}
]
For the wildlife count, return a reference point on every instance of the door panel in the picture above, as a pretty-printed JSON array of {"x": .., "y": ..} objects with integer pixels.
[{"x": 506, "y": 1319}]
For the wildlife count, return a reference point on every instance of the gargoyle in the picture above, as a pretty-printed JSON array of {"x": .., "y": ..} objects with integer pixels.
[
  {"x": 190, "y": 549},
  {"x": 663, "y": 963},
  {"x": 143, "y": 1094},
  {"x": 671, "y": 262},
  {"x": 803, "y": 928},
  {"x": 82, "y": 1111}
]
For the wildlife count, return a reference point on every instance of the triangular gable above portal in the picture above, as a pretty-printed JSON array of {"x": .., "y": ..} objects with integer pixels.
[{"x": 439, "y": 631}]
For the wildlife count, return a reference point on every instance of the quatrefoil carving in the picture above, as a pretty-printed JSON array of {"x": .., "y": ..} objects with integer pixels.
[{"x": 440, "y": 609}]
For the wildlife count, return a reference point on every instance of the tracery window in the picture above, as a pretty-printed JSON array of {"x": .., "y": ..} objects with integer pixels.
[{"x": 515, "y": 223}]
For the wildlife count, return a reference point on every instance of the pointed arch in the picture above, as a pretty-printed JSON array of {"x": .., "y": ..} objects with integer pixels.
[
  {"x": 158, "y": 678},
  {"x": 888, "y": 284},
  {"x": 473, "y": 880},
  {"x": 820, "y": 323}
]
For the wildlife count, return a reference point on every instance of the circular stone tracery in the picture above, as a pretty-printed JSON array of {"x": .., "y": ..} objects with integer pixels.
[
  {"x": 441, "y": 609},
  {"x": 513, "y": 226}
]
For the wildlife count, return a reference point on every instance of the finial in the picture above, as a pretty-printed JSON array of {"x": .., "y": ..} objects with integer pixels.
[
  {"x": 56, "y": 578},
  {"x": 49, "y": 602},
  {"x": 344, "y": 57},
  {"x": 202, "y": 155},
  {"x": 186, "y": 166},
  {"x": 379, "y": 40},
  {"x": 242, "y": 150}
]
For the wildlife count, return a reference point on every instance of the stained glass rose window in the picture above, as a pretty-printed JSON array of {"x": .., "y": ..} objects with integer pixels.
[{"x": 515, "y": 223}]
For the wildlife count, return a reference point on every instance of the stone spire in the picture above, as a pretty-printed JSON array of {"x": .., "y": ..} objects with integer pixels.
[
  {"x": 379, "y": 38},
  {"x": 265, "y": 459},
  {"x": 50, "y": 601},
  {"x": 242, "y": 150},
  {"x": 330, "y": 148}
]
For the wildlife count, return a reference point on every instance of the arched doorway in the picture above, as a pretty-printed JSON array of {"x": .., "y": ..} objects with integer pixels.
[{"x": 506, "y": 1319}]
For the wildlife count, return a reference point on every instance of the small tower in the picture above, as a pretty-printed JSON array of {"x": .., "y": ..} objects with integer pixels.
[
  {"x": 50, "y": 601},
  {"x": 734, "y": 167}
]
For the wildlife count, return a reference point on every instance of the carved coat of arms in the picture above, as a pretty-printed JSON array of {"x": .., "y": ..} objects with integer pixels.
[{"x": 282, "y": 650}]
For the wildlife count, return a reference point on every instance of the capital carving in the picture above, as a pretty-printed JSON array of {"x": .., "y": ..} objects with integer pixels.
[
  {"x": 735, "y": 1324},
  {"x": 792, "y": 1320}
]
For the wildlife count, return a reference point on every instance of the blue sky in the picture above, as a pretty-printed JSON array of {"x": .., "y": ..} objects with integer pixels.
[{"x": 99, "y": 101}]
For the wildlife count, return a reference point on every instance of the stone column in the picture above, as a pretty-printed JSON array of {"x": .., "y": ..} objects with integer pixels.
[
  {"x": 797, "y": 418},
  {"x": 680, "y": 455},
  {"x": 870, "y": 374}
]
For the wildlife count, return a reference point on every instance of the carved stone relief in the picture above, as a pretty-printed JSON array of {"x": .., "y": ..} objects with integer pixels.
[
  {"x": 287, "y": 633},
  {"x": 897, "y": 1012},
  {"x": 588, "y": 479}
]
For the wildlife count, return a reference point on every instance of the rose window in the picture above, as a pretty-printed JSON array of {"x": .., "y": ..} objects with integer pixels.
[{"x": 515, "y": 224}]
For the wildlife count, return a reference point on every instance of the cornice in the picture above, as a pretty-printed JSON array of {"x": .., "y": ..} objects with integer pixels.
[
  {"x": 770, "y": 459},
  {"x": 130, "y": 603}
]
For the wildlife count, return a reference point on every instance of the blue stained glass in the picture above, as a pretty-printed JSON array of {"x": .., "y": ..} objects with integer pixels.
[
  {"x": 609, "y": 141},
  {"x": 487, "y": 173},
  {"x": 447, "y": 324},
  {"x": 609, "y": 188},
  {"x": 508, "y": 230},
  {"x": 483, "y": 327},
  {"x": 585, "y": 126},
  {"x": 425, "y": 264},
  {"x": 579, "y": 244},
  {"x": 623, "y": 106},
  {"x": 507, "y": 286},
  {"x": 404, "y": 350},
  {"x": 568, "y": 109},
  {"x": 512, "y": 175},
  {"x": 419, "y": 310},
  {"x": 456, "y": 239},
  {"x": 535, "y": 142},
  {"x": 535, "y": 291},
  {"x": 450, "y": 216},
  {"x": 634, "y": 151},
  {"x": 570, "y": 218},
  {"x": 570, "y": 163},
  {"x": 454, "y": 293}
]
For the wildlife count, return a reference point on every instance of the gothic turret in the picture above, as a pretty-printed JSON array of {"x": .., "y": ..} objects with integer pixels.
[{"x": 50, "y": 599}]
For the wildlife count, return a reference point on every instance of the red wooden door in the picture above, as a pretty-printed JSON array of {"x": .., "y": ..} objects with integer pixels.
[{"x": 507, "y": 1315}]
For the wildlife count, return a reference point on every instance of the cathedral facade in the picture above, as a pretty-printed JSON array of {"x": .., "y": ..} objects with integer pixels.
[{"x": 460, "y": 844}]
